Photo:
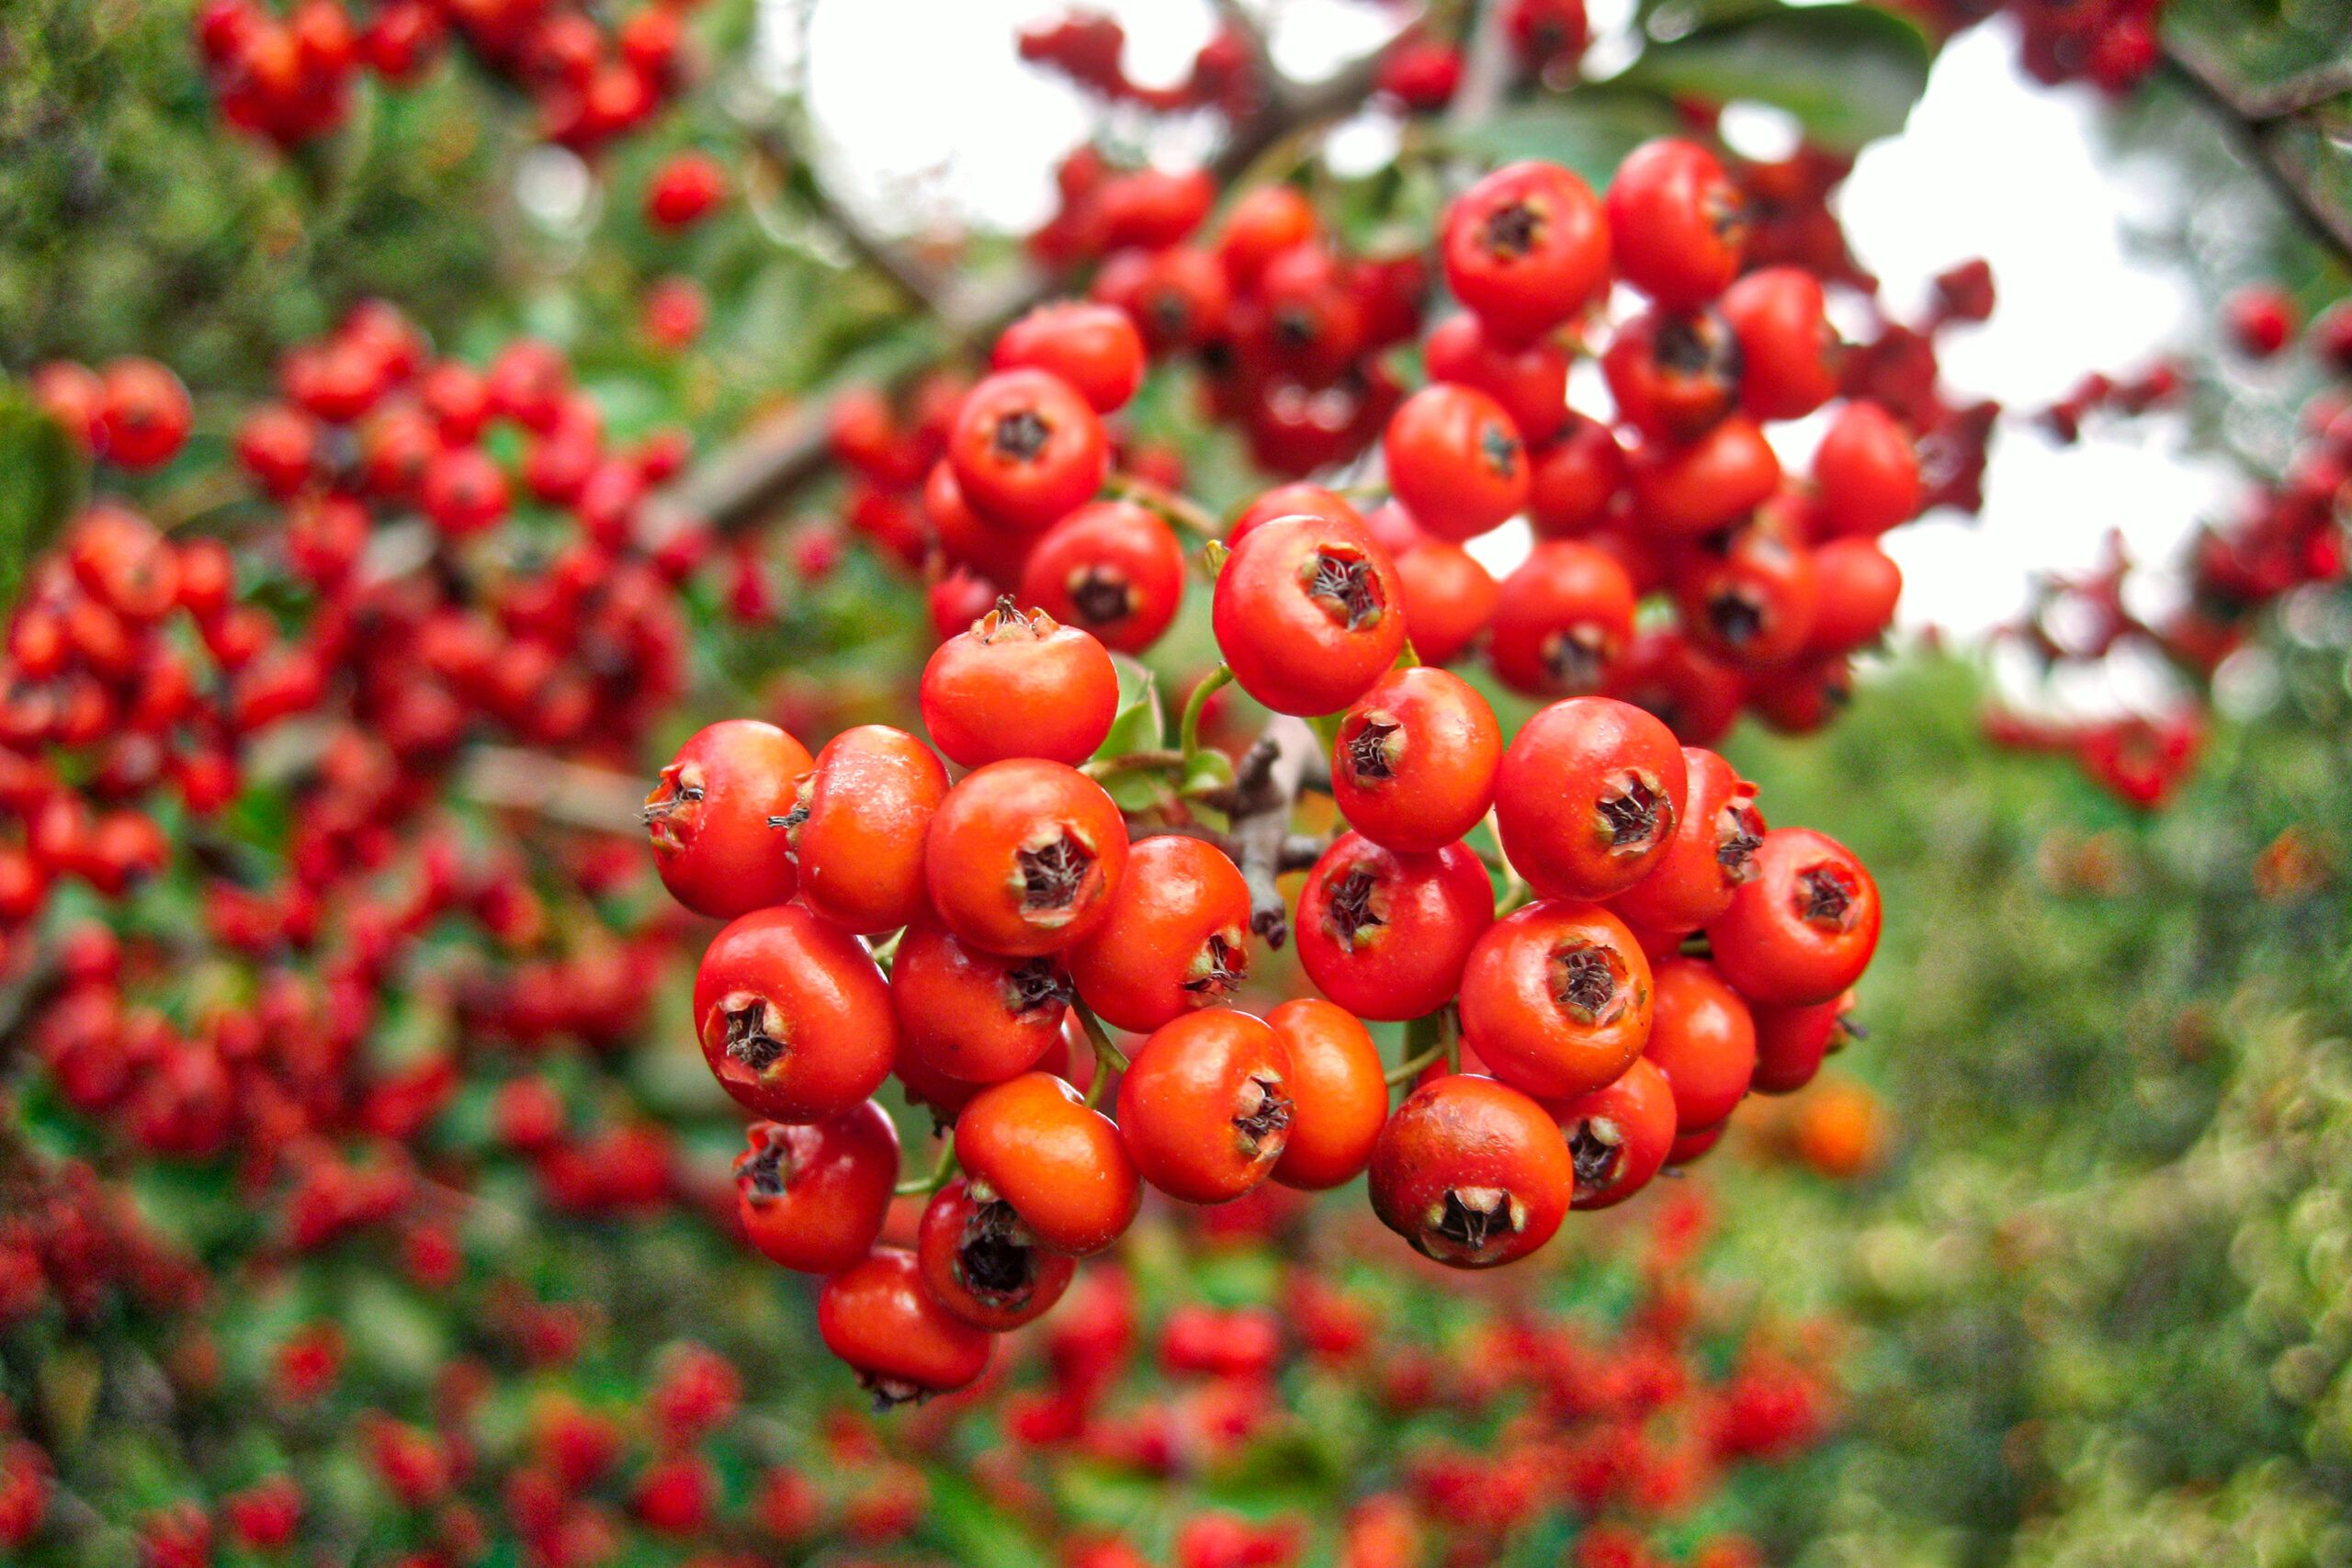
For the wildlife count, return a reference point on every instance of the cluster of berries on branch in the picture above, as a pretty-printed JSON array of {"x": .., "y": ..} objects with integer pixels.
[
  {"x": 288, "y": 76},
  {"x": 1588, "y": 999}
]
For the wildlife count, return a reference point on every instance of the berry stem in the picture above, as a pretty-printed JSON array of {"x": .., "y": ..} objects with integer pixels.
[
  {"x": 1108, "y": 1058},
  {"x": 1428, "y": 1039},
  {"x": 941, "y": 1169},
  {"x": 1177, "y": 511},
  {"x": 1188, "y": 730},
  {"x": 1515, "y": 889},
  {"x": 886, "y": 951}
]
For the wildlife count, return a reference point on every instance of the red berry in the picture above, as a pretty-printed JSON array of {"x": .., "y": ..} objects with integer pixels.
[
  {"x": 1589, "y": 796},
  {"x": 1111, "y": 567},
  {"x": 716, "y": 818},
  {"x": 1526, "y": 248},
  {"x": 1804, "y": 928},
  {"x": 1696, "y": 487},
  {"x": 1703, "y": 1039},
  {"x": 1618, "y": 1135},
  {"x": 1455, "y": 461},
  {"x": 1022, "y": 856},
  {"x": 1557, "y": 998},
  {"x": 1677, "y": 225},
  {"x": 1060, "y": 1163},
  {"x": 1176, "y": 938},
  {"x": 1711, "y": 851},
  {"x": 1093, "y": 347},
  {"x": 1471, "y": 1172},
  {"x": 857, "y": 825},
  {"x": 813, "y": 1197},
  {"x": 1561, "y": 621},
  {"x": 1449, "y": 599},
  {"x": 877, "y": 1315},
  {"x": 1572, "y": 481},
  {"x": 1673, "y": 375},
  {"x": 1306, "y": 613},
  {"x": 1028, "y": 449},
  {"x": 1791, "y": 1040},
  {"x": 795, "y": 1020},
  {"x": 974, "y": 1016},
  {"x": 1413, "y": 764},
  {"x": 1788, "y": 351},
  {"x": 1385, "y": 935},
  {"x": 1019, "y": 684},
  {"x": 144, "y": 414},
  {"x": 1529, "y": 381},
  {"x": 1338, "y": 1093},
  {"x": 981, "y": 1263},
  {"x": 1205, "y": 1107},
  {"x": 1865, "y": 472}
]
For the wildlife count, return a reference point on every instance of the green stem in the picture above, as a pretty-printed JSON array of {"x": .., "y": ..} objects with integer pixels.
[
  {"x": 1428, "y": 1039},
  {"x": 1108, "y": 1058},
  {"x": 1188, "y": 731},
  {"x": 941, "y": 1170},
  {"x": 1515, "y": 889},
  {"x": 887, "y": 950}
]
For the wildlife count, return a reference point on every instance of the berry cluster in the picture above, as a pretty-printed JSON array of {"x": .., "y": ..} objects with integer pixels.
[
  {"x": 1659, "y": 953},
  {"x": 288, "y": 77},
  {"x": 2285, "y": 537}
]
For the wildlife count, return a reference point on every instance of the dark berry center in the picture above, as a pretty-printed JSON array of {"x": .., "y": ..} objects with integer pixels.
[
  {"x": 749, "y": 1040},
  {"x": 1587, "y": 981},
  {"x": 1593, "y": 1157},
  {"x": 1350, "y": 913},
  {"x": 1736, "y": 616},
  {"x": 1268, "y": 1115},
  {"x": 1022, "y": 434},
  {"x": 1368, "y": 752},
  {"x": 1630, "y": 813},
  {"x": 1738, "y": 834},
  {"x": 1102, "y": 595},
  {"x": 1347, "y": 588},
  {"x": 1051, "y": 876},
  {"x": 1513, "y": 231},
  {"x": 995, "y": 1266},
  {"x": 1035, "y": 985},
  {"x": 1471, "y": 1221},
  {"x": 1825, "y": 898},
  {"x": 1221, "y": 968}
]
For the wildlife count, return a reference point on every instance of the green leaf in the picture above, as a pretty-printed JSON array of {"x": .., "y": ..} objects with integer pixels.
[
  {"x": 41, "y": 482},
  {"x": 1207, "y": 771},
  {"x": 1138, "y": 725},
  {"x": 1588, "y": 130},
  {"x": 1848, "y": 73}
]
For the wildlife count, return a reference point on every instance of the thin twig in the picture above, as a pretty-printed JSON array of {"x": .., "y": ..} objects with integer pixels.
[{"x": 2256, "y": 128}]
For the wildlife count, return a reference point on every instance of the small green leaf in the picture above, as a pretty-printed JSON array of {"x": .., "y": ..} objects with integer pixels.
[
  {"x": 1207, "y": 771},
  {"x": 1138, "y": 725},
  {"x": 1848, "y": 73}
]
